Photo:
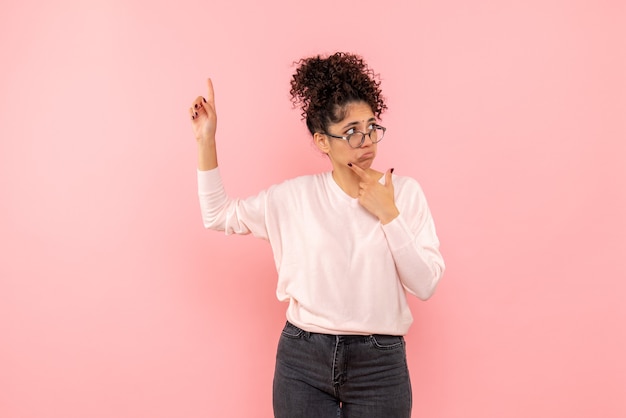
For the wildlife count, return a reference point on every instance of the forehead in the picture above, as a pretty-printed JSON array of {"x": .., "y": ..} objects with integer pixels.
[{"x": 356, "y": 112}]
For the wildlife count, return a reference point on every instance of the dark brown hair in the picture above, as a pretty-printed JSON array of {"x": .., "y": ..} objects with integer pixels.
[{"x": 322, "y": 87}]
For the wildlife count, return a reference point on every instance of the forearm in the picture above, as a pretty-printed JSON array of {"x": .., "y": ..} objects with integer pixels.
[
  {"x": 214, "y": 202},
  {"x": 416, "y": 255},
  {"x": 207, "y": 155},
  {"x": 419, "y": 269}
]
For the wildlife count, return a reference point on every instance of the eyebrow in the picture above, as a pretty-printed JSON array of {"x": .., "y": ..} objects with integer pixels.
[{"x": 351, "y": 124}]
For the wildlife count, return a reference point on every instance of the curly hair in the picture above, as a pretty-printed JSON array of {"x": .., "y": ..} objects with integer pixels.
[{"x": 322, "y": 87}]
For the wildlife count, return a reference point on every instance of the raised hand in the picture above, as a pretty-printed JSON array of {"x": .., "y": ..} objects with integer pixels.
[
  {"x": 203, "y": 116},
  {"x": 204, "y": 125},
  {"x": 377, "y": 198}
]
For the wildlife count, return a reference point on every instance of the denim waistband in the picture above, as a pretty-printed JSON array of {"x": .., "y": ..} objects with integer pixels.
[{"x": 343, "y": 337}]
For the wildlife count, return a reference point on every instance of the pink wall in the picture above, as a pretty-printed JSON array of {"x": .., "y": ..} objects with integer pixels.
[{"x": 114, "y": 302}]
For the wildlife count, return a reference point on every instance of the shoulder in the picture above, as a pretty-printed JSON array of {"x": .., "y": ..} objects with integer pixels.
[
  {"x": 406, "y": 183},
  {"x": 299, "y": 185},
  {"x": 408, "y": 191}
]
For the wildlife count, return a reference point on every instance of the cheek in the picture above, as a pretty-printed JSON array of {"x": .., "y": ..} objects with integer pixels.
[{"x": 340, "y": 153}]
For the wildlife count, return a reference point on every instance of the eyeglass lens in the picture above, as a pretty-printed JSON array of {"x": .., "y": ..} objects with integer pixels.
[{"x": 358, "y": 138}]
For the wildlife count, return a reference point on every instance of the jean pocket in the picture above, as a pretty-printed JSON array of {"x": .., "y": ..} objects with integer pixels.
[
  {"x": 292, "y": 331},
  {"x": 387, "y": 342}
]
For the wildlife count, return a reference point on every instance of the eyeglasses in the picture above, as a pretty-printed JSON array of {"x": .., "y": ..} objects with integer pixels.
[{"x": 356, "y": 139}]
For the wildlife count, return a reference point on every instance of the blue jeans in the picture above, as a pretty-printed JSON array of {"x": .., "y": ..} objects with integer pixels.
[{"x": 347, "y": 376}]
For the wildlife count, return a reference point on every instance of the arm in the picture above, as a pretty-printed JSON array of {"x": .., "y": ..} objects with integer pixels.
[
  {"x": 219, "y": 211},
  {"x": 413, "y": 242},
  {"x": 415, "y": 249},
  {"x": 233, "y": 216}
]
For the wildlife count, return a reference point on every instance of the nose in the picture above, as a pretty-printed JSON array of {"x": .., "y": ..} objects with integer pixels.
[{"x": 367, "y": 139}]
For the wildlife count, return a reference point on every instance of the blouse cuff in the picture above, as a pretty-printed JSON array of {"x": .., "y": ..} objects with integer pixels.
[
  {"x": 398, "y": 233},
  {"x": 209, "y": 180}
]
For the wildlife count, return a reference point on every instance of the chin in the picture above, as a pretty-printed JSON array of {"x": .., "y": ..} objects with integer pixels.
[{"x": 365, "y": 165}]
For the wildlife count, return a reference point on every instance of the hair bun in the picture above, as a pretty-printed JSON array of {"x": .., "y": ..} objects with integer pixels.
[{"x": 322, "y": 85}]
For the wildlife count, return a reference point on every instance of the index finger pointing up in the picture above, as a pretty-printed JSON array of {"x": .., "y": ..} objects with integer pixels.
[{"x": 210, "y": 95}]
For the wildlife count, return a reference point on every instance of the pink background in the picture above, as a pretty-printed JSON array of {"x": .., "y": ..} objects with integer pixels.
[{"x": 114, "y": 301}]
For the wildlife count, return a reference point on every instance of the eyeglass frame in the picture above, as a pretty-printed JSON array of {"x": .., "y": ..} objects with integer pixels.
[{"x": 347, "y": 137}]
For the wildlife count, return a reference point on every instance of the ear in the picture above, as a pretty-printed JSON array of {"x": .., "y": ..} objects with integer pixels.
[{"x": 322, "y": 142}]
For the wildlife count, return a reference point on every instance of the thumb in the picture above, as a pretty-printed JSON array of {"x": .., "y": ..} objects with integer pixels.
[{"x": 388, "y": 182}]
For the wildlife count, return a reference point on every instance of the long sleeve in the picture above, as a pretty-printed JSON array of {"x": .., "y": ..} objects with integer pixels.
[
  {"x": 233, "y": 216},
  {"x": 414, "y": 244}
]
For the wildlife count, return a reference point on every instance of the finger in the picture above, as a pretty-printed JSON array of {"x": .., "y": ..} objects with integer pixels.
[
  {"x": 205, "y": 107},
  {"x": 193, "y": 113},
  {"x": 210, "y": 94},
  {"x": 197, "y": 103},
  {"x": 208, "y": 104},
  {"x": 388, "y": 181},
  {"x": 359, "y": 171},
  {"x": 198, "y": 106}
]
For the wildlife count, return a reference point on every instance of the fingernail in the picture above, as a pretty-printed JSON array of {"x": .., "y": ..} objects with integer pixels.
[
  {"x": 392, "y": 170},
  {"x": 204, "y": 100},
  {"x": 349, "y": 164},
  {"x": 195, "y": 106},
  {"x": 196, "y": 114}
]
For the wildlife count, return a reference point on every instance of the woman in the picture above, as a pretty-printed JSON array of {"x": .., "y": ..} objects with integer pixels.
[{"x": 348, "y": 245}]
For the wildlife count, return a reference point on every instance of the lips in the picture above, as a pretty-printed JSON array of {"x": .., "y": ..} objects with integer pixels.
[{"x": 366, "y": 156}]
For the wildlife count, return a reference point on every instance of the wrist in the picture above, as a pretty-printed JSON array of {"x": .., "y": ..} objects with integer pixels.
[
  {"x": 206, "y": 141},
  {"x": 389, "y": 216}
]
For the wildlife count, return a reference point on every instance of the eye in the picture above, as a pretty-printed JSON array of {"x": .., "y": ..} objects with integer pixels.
[
  {"x": 350, "y": 131},
  {"x": 372, "y": 126}
]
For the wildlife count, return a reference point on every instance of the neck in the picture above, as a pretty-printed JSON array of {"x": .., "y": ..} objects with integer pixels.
[{"x": 347, "y": 180}]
